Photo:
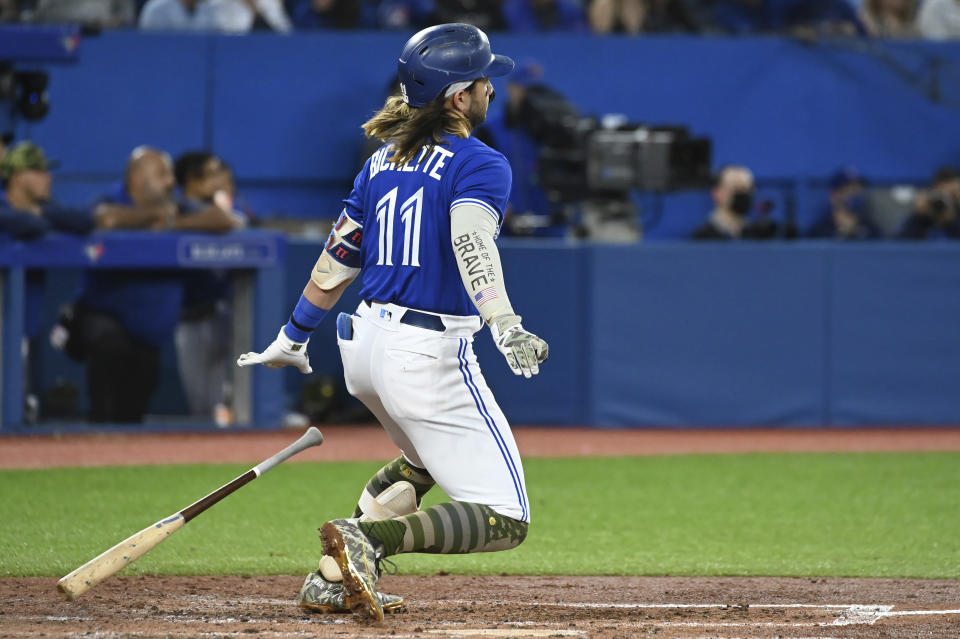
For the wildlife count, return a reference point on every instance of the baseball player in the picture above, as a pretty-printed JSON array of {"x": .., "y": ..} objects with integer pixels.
[{"x": 418, "y": 229}]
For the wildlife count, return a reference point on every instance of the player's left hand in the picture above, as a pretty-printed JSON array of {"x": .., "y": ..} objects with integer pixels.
[
  {"x": 282, "y": 352},
  {"x": 523, "y": 350}
]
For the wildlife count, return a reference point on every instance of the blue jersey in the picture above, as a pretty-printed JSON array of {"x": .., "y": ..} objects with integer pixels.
[{"x": 407, "y": 253}]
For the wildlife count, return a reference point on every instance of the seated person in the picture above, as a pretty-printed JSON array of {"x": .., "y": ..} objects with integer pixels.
[
  {"x": 244, "y": 16},
  {"x": 800, "y": 17},
  {"x": 9, "y": 11},
  {"x": 733, "y": 201},
  {"x": 936, "y": 212},
  {"x": 939, "y": 19},
  {"x": 330, "y": 14},
  {"x": 542, "y": 16},
  {"x": 890, "y": 18},
  {"x": 846, "y": 216},
  {"x": 641, "y": 16},
  {"x": 483, "y": 14},
  {"x": 96, "y": 14}
]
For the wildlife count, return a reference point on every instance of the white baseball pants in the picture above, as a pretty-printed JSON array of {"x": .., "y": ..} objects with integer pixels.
[{"x": 426, "y": 388}]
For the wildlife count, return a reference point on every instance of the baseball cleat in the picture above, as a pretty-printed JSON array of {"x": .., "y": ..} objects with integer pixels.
[
  {"x": 344, "y": 541},
  {"x": 327, "y": 597}
]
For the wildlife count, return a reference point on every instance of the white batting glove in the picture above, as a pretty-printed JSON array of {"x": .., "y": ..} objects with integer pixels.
[
  {"x": 523, "y": 350},
  {"x": 282, "y": 352}
]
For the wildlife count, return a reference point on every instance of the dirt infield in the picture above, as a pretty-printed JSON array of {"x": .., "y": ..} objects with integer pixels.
[{"x": 481, "y": 607}]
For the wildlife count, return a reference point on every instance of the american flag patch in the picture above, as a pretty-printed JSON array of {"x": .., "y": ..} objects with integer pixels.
[{"x": 485, "y": 295}]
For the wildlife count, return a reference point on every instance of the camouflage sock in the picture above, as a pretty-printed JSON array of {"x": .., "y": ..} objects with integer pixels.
[
  {"x": 451, "y": 528},
  {"x": 398, "y": 470}
]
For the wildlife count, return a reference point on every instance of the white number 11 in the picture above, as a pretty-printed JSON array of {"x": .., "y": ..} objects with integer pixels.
[{"x": 410, "y": 214}]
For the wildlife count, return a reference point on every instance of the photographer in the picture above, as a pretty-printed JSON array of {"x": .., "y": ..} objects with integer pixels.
[
  {"x": 733, "y": 196},
  {"x": 936, "y": 213},
  {"x": 846, "y": 214}
]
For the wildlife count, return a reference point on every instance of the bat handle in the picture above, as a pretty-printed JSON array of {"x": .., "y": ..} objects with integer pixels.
[{"x": 312, "y": 437}]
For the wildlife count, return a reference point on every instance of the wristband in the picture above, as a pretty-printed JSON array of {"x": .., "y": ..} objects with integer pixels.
[{"x": 304, "y": 319}]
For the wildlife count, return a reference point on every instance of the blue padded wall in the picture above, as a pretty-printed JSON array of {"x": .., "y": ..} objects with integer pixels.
[
  {"x": 710, "y": 335},
  {"x": 550, "y": 287},
  {"x": 895, "y": 334},
  {"x": 129, "y": 88},
  {"x": 683, "y": 335}
]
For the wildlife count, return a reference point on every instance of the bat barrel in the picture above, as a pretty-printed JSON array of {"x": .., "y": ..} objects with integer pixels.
[{"x": 126, "y": 552}]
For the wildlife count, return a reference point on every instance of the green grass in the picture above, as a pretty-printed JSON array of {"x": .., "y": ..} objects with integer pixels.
[{"x": 877, "y": 515}]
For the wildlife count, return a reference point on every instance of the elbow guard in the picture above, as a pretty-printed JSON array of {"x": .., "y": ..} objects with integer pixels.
[{"x": 340, "y": 260}]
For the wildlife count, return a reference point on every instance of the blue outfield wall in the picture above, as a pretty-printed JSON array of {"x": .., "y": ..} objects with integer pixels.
[
  {"x": 681, "y": 334},
  {"x": 689, "y": 335},
  {"x": 286, "y": 110}
]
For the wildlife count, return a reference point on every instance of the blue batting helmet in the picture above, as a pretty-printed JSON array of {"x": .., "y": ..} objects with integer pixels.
[{"x": 439, "y": 56}]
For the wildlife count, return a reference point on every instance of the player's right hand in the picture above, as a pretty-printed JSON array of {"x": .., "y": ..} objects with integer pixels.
[
  {"x": 523, "y": 350},
  {"x": 282, "y": 352}
]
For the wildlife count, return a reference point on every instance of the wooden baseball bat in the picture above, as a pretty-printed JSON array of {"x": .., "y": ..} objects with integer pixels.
[{"x": 135, "y": 546}]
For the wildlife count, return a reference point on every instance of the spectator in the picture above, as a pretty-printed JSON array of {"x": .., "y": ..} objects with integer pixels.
[
  {"x": 144, "y": 199},
  {"x": 178, "y": 15},
  {"x": 26, "y": 209},
  {"x": 610, "y": 16},
  {"x": 25, "y": 183},
  {"x": 227, "y": 198},
  {"x": 540, "y": 16},
  {"x": 507, "y": 132},
  {"x": 733, "y": 199},
  {"x": 890, "y": 18},
  {"x": 242, "y": 16},
  {"x": 936, "y": 212},
  {"x": 940, "y": 19},
  {"x": 404, "y": 14},
  {"x": 846, "y": 215},
  {"x": 636, "y": 16},
  {"x": 483, "y": 14},
  {"x": 9, "y": 11},
  {"x": 127, "y": 316},
  {"x": 202, "y": 179},
  {"x": 101, "y": 14},
  {"x": 800, "y": 17},
  {"x": 733, "y": 196},
  {"x": 203, "y": 335},
  {"x": 329, "y": 14}
]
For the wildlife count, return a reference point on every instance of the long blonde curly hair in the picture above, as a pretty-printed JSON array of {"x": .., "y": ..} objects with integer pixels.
[{"x": 409, "y": 128}]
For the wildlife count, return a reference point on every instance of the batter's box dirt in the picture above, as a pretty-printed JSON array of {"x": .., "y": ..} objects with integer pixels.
[{"x": 483, "y": 607}]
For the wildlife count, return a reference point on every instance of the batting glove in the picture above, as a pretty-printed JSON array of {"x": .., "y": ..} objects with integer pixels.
[
  {"x": 282, "y": 352},
  {"x": 523, "y": 350}
]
